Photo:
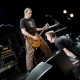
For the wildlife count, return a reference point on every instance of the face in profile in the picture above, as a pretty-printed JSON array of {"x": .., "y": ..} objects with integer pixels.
[
  {"x": 29, "y": 13},
  {"x": 50, "y": 39}
]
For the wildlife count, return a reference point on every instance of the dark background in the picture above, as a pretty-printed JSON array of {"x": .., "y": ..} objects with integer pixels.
[{"x": 11, "y": 11}]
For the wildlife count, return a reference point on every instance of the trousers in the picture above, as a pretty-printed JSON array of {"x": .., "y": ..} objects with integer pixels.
[{"x": 30, "y": 52}]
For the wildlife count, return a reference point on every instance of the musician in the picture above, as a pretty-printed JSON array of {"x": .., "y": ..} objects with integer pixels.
[
  {"x": 66, "y": 44},
  {"x": 29, "y": 29}
]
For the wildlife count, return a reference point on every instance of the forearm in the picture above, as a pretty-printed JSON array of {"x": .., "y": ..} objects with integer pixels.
[
  {"x": 39, "y": 29},
  {"x": 69, "y": 53},
  {"x": 26, "y": 33}
]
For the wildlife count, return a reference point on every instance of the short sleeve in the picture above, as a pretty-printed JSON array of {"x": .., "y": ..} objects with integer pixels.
[
  {"x": 22, "y": 23},
  {"x": 59, "y": 45}
]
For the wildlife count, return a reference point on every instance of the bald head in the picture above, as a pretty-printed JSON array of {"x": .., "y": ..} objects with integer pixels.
[{"x": 27, "y": 9}]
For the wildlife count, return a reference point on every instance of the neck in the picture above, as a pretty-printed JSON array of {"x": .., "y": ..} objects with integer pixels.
[
  {"x": 55, "y": 39},
  {"x": 26, "y": 17}
]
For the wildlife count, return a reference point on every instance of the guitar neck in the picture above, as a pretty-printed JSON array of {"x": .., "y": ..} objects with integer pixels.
[
  {"x": 54, "y": 25},
  {"x": 41, "y": 33},
  {"x": 48, "y": 28}
]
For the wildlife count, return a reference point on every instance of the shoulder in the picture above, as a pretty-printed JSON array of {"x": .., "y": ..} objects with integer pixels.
[
  {"x": 62, "y": 37},
  {"x": 32, "y": 20},
  {"x": 59, "y": 39},
  {"x": 22, "y": 19}
]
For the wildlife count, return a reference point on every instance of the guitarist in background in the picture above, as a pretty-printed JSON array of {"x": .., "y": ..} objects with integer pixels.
[{"x": 28, "y": 29}]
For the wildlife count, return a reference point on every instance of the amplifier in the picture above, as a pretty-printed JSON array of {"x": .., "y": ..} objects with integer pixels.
[
  {"x": 10, "y": 65},
  {"x": 7, "y": 60},
  {"x": 1, "y": 63},
  {"x": 8, "y": 57},
  {"x": 4, "y": 47}
]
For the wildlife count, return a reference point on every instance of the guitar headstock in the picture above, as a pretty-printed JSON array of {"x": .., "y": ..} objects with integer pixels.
[
  {"x": 57, "y": 23},
  {"x": 46, "y": 26}
]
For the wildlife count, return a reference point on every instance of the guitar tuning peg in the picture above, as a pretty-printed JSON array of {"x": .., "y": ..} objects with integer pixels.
[{"x": 47, "y": 24}]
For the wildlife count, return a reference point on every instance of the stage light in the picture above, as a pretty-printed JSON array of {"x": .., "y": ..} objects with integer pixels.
[
  {"x": 64, "y": 11},
  {"x": 71, "y": 15}
]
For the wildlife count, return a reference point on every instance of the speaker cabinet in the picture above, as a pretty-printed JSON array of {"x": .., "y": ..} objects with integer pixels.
[
  {"x": 62, "y": 61},
  {"x": 57, "y": 67},
  {"x": 62, "y": 64},
  {"x": 39, "y": 71}
]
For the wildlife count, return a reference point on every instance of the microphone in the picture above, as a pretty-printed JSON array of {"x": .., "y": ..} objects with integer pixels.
[
  {"x": 51, "y": 17},
  {"x": 48, "y": 16}
]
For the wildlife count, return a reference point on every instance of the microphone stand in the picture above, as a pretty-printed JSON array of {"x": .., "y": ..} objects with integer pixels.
[
  {"x": 50, "y": 16},
  {"x": 53, "y": 19}
]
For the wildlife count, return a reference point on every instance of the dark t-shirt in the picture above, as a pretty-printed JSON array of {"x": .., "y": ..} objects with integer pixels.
[
  {"x": 29, "y": 25},
  {"x": 65, "y": 42}
]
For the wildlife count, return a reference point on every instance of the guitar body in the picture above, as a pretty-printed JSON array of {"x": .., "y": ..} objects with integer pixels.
[{"x": 34, "y": 43}]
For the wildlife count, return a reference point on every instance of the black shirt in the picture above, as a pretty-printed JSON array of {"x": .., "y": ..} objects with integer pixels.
[
  {"x": 29, "y": 25},
  {"x": 65, "y": 42}
]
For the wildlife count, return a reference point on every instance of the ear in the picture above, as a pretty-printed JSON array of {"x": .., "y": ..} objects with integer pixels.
[{"x": 46, "y": 34}]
